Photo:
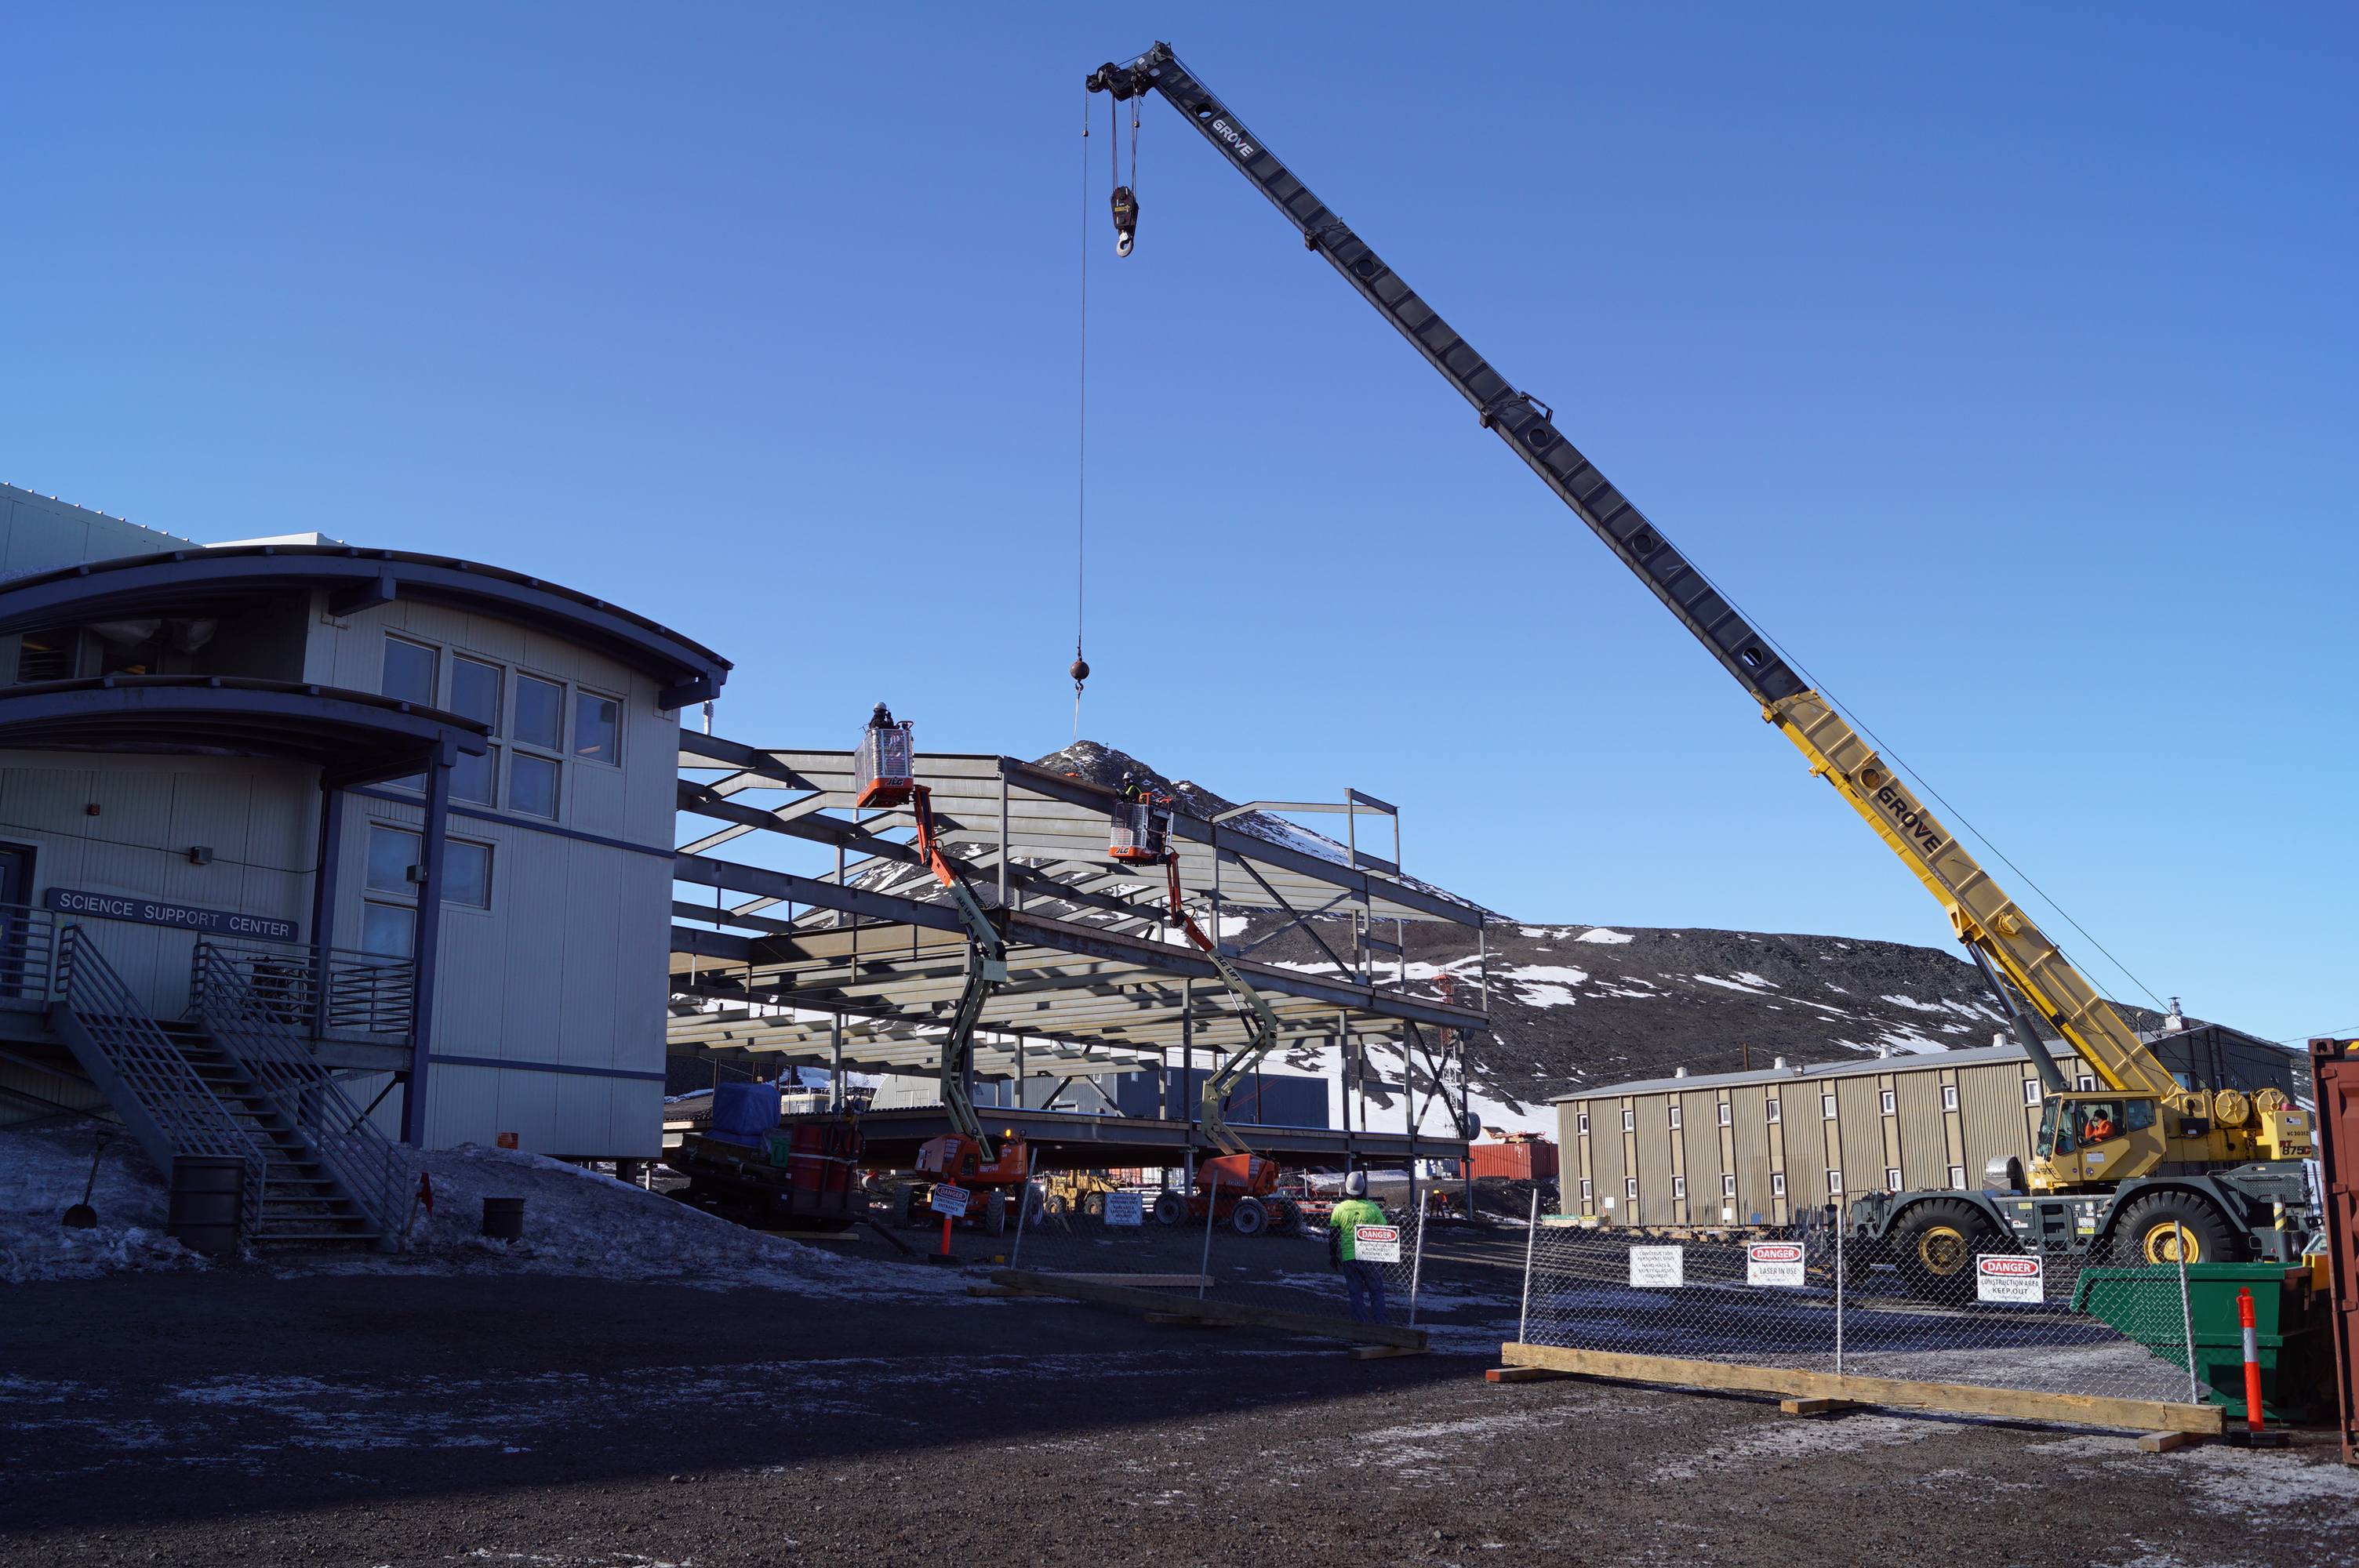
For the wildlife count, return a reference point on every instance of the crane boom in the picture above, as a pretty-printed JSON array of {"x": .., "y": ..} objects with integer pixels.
[{"x": 1980, "y": 910}]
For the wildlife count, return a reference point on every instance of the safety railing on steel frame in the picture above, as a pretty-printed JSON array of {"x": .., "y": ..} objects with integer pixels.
[
  {"x": 153, "y": 1086},
  {"x": 1803, "y": 1297},
  {"x": 254, "y": 1023},
  {"x": 29, "y": 942},
  {"x": 364, "y": 993}
]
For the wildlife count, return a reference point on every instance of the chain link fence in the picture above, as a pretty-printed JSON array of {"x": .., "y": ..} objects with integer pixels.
[
  {"x": 1804, "y": 1299},
  {"x": 1155, "y": 1231}
]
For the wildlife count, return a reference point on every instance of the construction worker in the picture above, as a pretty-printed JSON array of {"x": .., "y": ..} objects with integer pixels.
[
  {"x": 1363, "y": 1281},
  {"x": 2101, "y": 1124}
]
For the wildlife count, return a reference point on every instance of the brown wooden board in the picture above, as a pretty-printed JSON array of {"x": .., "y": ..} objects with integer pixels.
[
  {"x": 1964, "y": 1398},
  {"x": 1266, "y": 1317}
]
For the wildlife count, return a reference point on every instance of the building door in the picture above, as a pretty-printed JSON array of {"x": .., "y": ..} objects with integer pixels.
[{"x": 16, "y": 923}]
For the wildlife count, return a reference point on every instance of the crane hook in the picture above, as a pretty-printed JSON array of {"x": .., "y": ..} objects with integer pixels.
[{"x": 1125, "y": 220}]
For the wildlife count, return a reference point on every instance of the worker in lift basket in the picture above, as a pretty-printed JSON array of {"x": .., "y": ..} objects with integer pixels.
[{"x": 1364, "y": 1281}]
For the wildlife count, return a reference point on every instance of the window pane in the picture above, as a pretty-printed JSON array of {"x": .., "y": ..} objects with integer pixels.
[
  {"x": 408, "y": 672},
  {"x": 467, "y": 873},
  {"x": 475, "y": 780},
  {"x": 532, "y": 781},
  {"x": 597, "y": 727},
  {"x": 476, "y": 690},
  {"x": 539, "y": 712},
  {"x": 386, "y": 928},
  {"x": 415, "y": 781},
  {"x": 391, "y": 853}
]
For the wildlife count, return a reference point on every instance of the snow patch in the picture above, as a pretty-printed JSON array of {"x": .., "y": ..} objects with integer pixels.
[
  {"x": 42, "y": 1173},
  {"x": 1603, "y": 934}
]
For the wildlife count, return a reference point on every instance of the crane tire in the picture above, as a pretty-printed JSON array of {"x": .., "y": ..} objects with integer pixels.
[
  {"x": 1249, "y": 1217},
  {"x": 1285, "y": 1217},
  {"x": 995, "y": 1215},
  {"x": 1935, "y": 1244},
  {"x": 1170, "y": 1208},
  {"x": 2147, "y": 1235}
]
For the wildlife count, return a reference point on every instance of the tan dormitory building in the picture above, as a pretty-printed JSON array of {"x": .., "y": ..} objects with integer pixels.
[{"x": 1761, "y": 1147}]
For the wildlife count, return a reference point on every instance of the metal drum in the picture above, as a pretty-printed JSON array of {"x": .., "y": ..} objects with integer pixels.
[{"x": 208, "y": 1202}]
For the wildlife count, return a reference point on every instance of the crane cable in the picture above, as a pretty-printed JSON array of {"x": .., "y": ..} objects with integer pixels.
[{"x": 1080, "y": 668}]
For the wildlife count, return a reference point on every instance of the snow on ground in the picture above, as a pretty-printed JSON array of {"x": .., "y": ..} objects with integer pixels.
[
  {"x": 42, "y": 1174},
  {"x": 576, "y": 1222},
  {"x": 1602, "y": 935}
]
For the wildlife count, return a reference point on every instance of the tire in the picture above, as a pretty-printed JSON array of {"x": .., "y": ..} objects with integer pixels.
[
  {"x": 904, "y": 1200},
  {"x": 1285, "y": 1218},
  {"x": 1935, "y": 1244},
  {"x": 2147, "y": 1234},
  {"x": 995, "y": 1215},
  {"x": 1170, "y": 1208},
  {"x": 1249, "y": 1217}
]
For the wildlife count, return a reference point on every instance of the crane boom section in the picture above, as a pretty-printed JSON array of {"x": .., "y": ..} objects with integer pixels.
[{"x": 1979, "y": 910}]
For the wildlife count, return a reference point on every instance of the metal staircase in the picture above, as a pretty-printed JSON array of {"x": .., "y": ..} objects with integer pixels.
[{"x": 235, "y": 1084}]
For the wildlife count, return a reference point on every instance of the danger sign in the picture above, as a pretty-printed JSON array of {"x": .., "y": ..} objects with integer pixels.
[
  {"x": 1773, "y": 1263},
  {"x": 2010, "y": 1278},
  {"x": 950, "y": 1200},
  {"x": 1656, "y": 1267},
  {"x": 1376, "y": 1243}
]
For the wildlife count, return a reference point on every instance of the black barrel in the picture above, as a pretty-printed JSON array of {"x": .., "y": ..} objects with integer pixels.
[
  {"x": 503, "y": 1218},
  {"x": 208, "y": 1202}
]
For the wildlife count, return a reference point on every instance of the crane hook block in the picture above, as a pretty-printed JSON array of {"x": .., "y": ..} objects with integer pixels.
[{"x": 1125, "y": 220}]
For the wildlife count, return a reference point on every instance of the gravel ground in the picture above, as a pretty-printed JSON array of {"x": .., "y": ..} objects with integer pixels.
[{"x": 254, "y": 1416}]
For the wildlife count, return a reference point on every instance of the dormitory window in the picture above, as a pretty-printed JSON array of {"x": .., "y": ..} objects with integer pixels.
[
  {"x": 1728, "y": 1185},
  {"x": 1630, "y": 1188},
  {"x": 1674, "y": 1119},
  {"x": 1773, "y": 1110},
  {"x": 1835, "y": 1182},
  {"x": 1679, "y": 1186},
  {"x": 1588, "y": 1190},
  {"x": 1958, "y": 1177},
  {"x": 386, "y": 927},
  {"x": 1727, "y": 1114},
  {"x": 1948, "y": 1096},
  {"x": 2088, "y": 1085},
  {"x": 1892, "y": 1178},
  {"x": 1629, "y": 1121},
  {"x": 1885, "y": 1102},
  {"x": 2031, "y": 1091},
  {"x": 1827, "y": 1107},
  {"x": 526, "y": 712},
  {"x": 1580, "y": 1123},
  {"x": 1777, "y": 1184}
]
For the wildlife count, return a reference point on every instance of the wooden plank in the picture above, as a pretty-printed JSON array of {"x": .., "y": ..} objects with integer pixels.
[
  {"x": 1964, "y": 1398},
  {"x": 1817, "y": 1407},
  {"x": 1266, "y": 1317},
  {"x": 1381, "y": 1352},
  {"x": 1190, "y": 1319},
  {"x": 1147, "y": 1281},
  {"x": 2164, "y": 1441},
  {"x": 1521, "y": 1374}
]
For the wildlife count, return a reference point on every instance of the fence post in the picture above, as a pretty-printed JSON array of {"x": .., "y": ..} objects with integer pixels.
[
  {"x": 2186, "y": 1316},
  {"x": 1524, "y": 1319},
  {"x": 1416, "y": 1262},
  {"x": 1023, "y": 1207},
  {"x": 1839, "y": 1292},
  {"x": 1212, "y": 1208}
]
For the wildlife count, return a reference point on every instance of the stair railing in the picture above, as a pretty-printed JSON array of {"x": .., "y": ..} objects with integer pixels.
[
  {"x": 153, "y": 1086},
  {"x": 252, "y": 1007}
]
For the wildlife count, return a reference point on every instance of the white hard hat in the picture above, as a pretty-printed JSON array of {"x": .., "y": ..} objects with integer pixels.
[{"x": 1355, "y": 1185}]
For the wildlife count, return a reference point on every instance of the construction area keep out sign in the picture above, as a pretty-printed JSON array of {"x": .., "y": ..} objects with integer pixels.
[
  {"x": 2008, "y": 1277},
  {"x": 1658, "y": 1266},
  {"x": 1773, "y": 1263},
  {"x": 1122, "y": 1208},
  {"x": 949, "y": 1200},
  {"x": 1376, "y": 1243}
]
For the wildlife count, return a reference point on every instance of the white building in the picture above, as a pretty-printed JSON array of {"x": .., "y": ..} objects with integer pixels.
[{"x": 249, "y": 761}]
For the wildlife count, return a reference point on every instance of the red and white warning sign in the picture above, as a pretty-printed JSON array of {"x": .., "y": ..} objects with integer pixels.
[
  {"x": 2009, "y": 1277},
  {"x": 1773, "y": 1263},
  {"x": 948, "y": 1199},
  {"x": 1375, "y": 1243}
]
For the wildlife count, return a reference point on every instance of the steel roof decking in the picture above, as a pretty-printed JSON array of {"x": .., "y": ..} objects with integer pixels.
[{"x": 1097, "y": 982}]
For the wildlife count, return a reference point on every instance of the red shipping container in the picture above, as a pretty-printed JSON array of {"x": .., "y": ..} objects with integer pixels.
[{"x": 1523, "y": 1157}]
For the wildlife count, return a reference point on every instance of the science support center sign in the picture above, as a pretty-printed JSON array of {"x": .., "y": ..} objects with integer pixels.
[{"x": 182, "y": 916}]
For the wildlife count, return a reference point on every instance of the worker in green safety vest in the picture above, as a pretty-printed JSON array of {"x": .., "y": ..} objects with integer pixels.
[{"x": 1363, "y": 1281}]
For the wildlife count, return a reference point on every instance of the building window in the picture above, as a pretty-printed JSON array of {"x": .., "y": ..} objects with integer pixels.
[
  {"x": 394, "y": 851},
  {"x": 1630, "y": 1188},
  {"x": 1835, "y": 1182},
  {"x": 1958, "y": 1177},
  {"x": 1727, "y": 1114},
  {"x": 386, "y": 929},
  {"x": 1826, "y": 1107},
  {"x": 532, "y": 786},
  {"x": 1777, "y": 1184},
  {"x": 1892, "y": 1178},
  {"x": 475, "y": 689},
  {"x": 391, "y": 853},
  {"x": 2031, "y": 1091},
  {"x": 1948, "y": 1096},
  {"x": 1679, "y": 1186},
  {"x": 1887, "y": 1102},
  {"x": 540, "y": 713},
  {"x": 1588, "y": 1189},
  {"x": 597, "y": 728},
  {"x": 1580, "y": 1123},
  {"x": 1629, "y": 1121},
  {"x": 467, "y": 873},
  {"x": 2088, "y": 1084},
  {"x": 1675, "y": 1117},
  {"x": 408, "y": 672},
  {"x": 1728, "y": 1183},
  {"x": 1773, "y": 1110}
]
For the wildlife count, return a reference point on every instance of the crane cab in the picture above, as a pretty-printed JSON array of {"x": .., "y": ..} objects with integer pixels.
[
  {"x": 883, "y": 768},
  {"x": 2094, "y": 1138}
]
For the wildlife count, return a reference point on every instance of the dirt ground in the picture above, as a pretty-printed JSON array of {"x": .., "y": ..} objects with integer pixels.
[{"x": 240, "y": 1417}]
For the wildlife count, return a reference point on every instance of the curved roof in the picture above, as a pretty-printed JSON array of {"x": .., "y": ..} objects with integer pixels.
[
  {"x": 353, "y": 737},
  {"x": 201, "y": 580}
]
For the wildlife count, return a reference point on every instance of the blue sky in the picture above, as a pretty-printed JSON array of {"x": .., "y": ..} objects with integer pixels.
[{"x": 1997, "y": 359}]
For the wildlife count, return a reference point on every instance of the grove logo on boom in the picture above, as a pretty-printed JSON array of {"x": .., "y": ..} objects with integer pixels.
[{"x": 1237, "y": 144}]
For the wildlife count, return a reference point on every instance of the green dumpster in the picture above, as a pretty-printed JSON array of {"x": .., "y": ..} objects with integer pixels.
[{"x": 2290, "y": 1328}]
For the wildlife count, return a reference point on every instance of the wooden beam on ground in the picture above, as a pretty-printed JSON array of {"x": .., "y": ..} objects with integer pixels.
[
  {"x": 1817, "y": 1407},
  {"x": 1188, "y": 1319},
  {"x": 1967, "y": 1399},
  {"x": 1521, "y": 1375},
  {"x": 1382, "y": 1352},
  {"x": 1266, "y": 1317},
  {"x": 1146, "y": 1282}
]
